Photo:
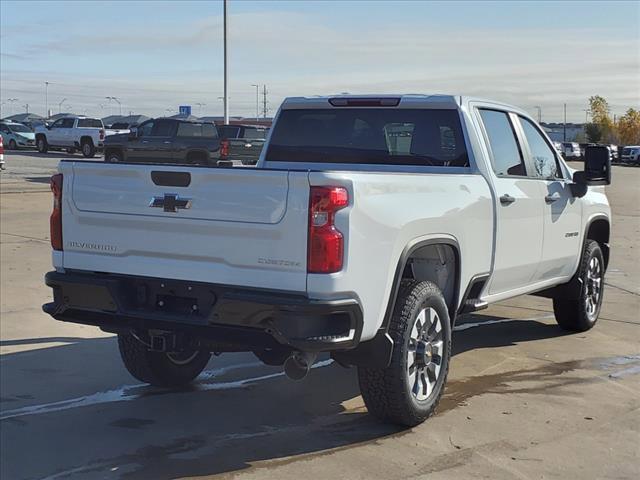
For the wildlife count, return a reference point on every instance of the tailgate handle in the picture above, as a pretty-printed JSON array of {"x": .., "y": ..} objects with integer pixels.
[{"x": 171, "y": 179}]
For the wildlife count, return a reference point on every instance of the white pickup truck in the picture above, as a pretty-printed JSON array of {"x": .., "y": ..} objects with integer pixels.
[
  {"x": 71, "y": 134},
  {"x": 368, "y": 226}
]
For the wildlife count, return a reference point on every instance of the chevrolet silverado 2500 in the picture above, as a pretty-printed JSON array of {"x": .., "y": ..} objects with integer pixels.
[
  {"x": 71, "y": 133},
  {"x": 367, "y": 227}
]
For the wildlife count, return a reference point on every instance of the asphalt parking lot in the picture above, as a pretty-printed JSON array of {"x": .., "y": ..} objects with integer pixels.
[{"x": 524, "y": 399}]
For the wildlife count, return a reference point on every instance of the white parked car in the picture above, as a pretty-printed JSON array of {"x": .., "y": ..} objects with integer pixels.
[
  {"x": 631, "y": 154},
  {"x": 571, "y": 151},
  {"x": 367, "y": 227},
  {"x": 72, "y": 133}
]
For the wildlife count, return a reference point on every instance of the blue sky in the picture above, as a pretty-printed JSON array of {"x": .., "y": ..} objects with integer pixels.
[{"x": 156, "y": 55}]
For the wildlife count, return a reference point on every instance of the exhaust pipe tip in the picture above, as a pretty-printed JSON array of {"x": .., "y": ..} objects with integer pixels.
[{"x": 297, "y": 366}]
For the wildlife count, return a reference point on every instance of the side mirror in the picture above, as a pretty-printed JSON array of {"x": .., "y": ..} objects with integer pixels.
[
  {"x": 133, "y": 133},
  {"x": 597, "y": 170},
  {"x": 597, "y": 165}
]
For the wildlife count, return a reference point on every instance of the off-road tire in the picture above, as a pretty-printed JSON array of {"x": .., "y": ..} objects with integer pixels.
[
  {"x": 42, "y": 144},
  {"x": 573, "y": 314},
  {"x": 88, "y": 148},
  {"x": 157, "y": 368},
  {"x": 386, "y": 391}
]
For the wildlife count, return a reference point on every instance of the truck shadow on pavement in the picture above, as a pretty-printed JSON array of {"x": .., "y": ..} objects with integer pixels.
[{"x": 86, "y": 418}]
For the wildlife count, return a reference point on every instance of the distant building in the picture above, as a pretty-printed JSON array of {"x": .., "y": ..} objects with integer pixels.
[{"x": 556, "y": 131}]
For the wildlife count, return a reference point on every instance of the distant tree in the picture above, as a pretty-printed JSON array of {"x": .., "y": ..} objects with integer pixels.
[
  {"x": 593, "y": 131},
  {"x": 600, "y": 117},
  {"x": 628, "y": 127}
]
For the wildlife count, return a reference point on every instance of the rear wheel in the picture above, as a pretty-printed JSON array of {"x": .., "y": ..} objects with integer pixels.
[
  {"x": 88, "y": 149},
  {"x": 41, "y": 143},
  {"x": 581, "y": 313},
  {"x": 407, "y": 392},
  {"x": 159, "y": 368},
  {"x": 13, "y": 145},
  {"x": 113, "y": 156}
]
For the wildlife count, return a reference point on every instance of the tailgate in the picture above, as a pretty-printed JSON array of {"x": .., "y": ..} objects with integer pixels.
[
  {"x": 228, "y": 226},
  {"x": 246, "y": 150}
]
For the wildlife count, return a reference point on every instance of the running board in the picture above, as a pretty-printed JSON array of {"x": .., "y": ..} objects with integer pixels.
[{"x": 474, "y": 306}]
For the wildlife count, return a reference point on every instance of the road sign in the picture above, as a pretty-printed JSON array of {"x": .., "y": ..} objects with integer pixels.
[{"x": 185, "y": 110}]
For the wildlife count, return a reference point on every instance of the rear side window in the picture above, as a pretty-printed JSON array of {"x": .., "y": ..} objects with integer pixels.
[
  {"x": 543, "y": 157},
  {"x": 199, "y": 130},
  {"x": 90, "y": 123},
  {"x": 505, "y": 151},
  {"x": 369, "y": 136}
]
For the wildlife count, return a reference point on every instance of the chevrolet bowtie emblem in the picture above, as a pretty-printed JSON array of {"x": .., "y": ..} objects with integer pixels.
[{"x": 170, "y": 202}]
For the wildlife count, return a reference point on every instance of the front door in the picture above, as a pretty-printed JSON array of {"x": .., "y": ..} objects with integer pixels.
[
  {"x": 562, "y": 212},
  {"x": 519, "y": 225}
]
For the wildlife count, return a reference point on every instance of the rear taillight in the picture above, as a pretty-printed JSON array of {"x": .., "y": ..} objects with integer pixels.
[
  {"x": 55, "y": 222},
  {"x": 1, "y": 145},
  {"x": 326, "y": 243},
  {"x": 101, "y": 134},
  {"x": 224, "y": 149}
]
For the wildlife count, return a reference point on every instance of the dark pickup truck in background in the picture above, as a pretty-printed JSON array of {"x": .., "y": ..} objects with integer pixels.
[
  {"x": 242, "y": 143},
  {"x": 166, "y": 140}
]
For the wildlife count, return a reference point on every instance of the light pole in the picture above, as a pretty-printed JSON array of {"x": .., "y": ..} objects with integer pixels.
[
  {"x": 11, "y": 102},
  {"x": 257, "y": 101},
  {"x": 26, "y": 107},
  {"x": 226, "y": 72},
  {"x": 119, "y": 104},
  {"x": 539, "y": 113},
  {"x": 46, "y": 99},
  {"x": 200, "y": 105},
  {"x": 60, "y": 105}
]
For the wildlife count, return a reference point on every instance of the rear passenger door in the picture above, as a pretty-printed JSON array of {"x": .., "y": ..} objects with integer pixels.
[
  {"x": 562, "y": 212},
  {"x": 519, "y": 210}
]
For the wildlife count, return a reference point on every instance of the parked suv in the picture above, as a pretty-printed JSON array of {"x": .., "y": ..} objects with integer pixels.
[
  {"x": 367, "y": 227},
  {"x": 166, "y": 140},
  {"x": 631, "y": 154},
  {"x": 71, "y": 133},
  {"x": 16, "y": 135}
]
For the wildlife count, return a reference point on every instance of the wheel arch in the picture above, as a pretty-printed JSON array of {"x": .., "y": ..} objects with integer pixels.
[
  {"x": 84, "y": 138},
  {"x": 599, "y": 229},
  {"x": 418, "y": 260},
  {"x": 197, "y": 153}
]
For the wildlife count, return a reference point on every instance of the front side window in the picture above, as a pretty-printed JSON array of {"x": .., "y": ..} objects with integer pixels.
[
  {"x": 4, "y": 129},
  {"x": 58, "y": 123},
  {"x": 506, "y": 155},
  {"x": 67, "y": 123},
  {"x": 543, "y": 157},
  {"x": 383, "y": 136},
  {"x": 146, "y": 128}
]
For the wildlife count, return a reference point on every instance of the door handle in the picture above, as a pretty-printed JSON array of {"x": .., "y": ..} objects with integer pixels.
[
  {"x": 145, "y": 141},
  {"x": 552, "y": 198},
  {"x": 507, "y": 199},
  {"x": 167, "y": 143}
]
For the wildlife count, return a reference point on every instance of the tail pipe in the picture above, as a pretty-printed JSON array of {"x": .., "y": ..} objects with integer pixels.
[{"x": 298, "y": 364}]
